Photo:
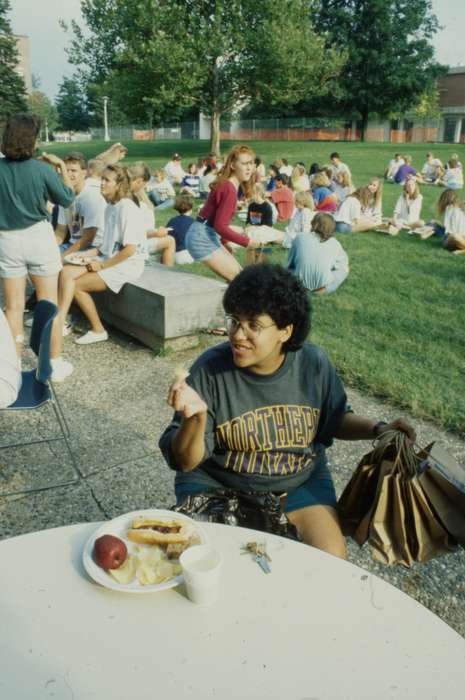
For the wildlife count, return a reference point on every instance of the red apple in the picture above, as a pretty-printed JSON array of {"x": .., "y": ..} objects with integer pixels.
[{"x": 110, "y": 552}]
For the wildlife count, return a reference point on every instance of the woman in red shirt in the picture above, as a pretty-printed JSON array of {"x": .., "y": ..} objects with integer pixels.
[{"x": 203, "y": 239}]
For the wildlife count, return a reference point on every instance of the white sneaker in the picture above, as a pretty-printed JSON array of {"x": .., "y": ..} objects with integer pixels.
[
  {"x": 60, "y": 369},
  {"x": 67, "y": 329},
  {"x": 91, "y": 337}
]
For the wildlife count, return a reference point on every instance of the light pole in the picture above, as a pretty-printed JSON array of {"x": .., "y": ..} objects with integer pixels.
[
  {"x": 105, "y": 119},
  {"x": 46, "y": 132}
]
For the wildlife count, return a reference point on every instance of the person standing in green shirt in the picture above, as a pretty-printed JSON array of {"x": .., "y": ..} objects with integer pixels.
[{"x": 27, "y": 241}]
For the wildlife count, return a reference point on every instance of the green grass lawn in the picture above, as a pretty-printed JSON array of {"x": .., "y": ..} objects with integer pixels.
[{"x": 396, "y": 328}]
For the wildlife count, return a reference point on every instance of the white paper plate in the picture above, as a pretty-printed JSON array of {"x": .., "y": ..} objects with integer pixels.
[{"x": 119, "y": 527}]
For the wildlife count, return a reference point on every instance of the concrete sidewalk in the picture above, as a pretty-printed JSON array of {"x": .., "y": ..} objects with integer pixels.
[{"x": 115, "y": 403}]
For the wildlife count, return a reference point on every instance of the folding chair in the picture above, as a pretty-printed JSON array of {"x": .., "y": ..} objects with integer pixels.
[{"x": 37, "y": 390}]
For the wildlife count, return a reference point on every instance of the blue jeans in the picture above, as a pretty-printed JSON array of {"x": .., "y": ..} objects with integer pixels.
[
  {"x": 439, "y": 230},
  {"x": 158, "y": 202},
  {"x": 342, "y": 227}
]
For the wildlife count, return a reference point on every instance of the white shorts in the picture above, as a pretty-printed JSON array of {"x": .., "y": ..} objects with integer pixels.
[
  {"x": 32, "y": 250},
  {"x": 126, "y": 271},
  {"x": 153, "y": 244},
  {"x": 183, "y": 258}
]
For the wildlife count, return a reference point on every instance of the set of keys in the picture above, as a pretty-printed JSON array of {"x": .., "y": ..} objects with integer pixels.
[{"x": 259, "y": 553}]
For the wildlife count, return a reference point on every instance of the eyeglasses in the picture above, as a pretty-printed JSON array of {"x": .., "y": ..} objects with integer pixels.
[{"x": 251, "y": 329}]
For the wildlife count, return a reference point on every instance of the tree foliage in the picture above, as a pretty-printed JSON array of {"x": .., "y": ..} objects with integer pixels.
[
  {"x": 71, "y": 105},
  {"x": 12, "y": 87},
  {"x": 391, "y": 61},
  {"x": 39, "y": 104},
  {"x": 159, "y": 58}
]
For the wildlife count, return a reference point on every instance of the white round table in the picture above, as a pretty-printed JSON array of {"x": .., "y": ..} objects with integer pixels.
[{"x": 315, "y": 628}]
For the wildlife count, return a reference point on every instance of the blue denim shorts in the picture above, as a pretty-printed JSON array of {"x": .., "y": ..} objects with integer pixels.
[
  {"x": 318, "y": 490},
  {"x": 201, "y": 240},
  {"x": 343, "y": 227}
]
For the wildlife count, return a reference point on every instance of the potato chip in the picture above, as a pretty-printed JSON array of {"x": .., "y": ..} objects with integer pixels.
[
  {"x": 147, "y": 574},
  {"x": 127, "y": 572},
  {"x": 165, "y": 571},
  {"x": 151, "y": 555}
]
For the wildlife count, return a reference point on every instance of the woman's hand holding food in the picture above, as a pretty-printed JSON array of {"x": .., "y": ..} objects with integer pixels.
[{"x": 184, "y": 398}]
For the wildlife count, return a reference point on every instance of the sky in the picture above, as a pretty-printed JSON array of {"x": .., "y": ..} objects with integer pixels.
[{"x": 48, "y": 40}]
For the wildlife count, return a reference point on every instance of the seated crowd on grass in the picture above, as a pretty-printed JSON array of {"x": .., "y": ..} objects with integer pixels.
[{"x": 104, "y": 220}]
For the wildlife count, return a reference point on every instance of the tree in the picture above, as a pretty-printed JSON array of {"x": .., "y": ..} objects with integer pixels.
[
  {"x": 39, "y": 104},
  {"x": 160, "y": 58},
  {"x": 427, "y": 106},
  {"x": 71, "y": 106},
  {"x": 12, "y": 87},
  {"x": 390, "y": 56}
]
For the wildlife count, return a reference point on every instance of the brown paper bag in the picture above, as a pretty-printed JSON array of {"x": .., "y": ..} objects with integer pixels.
[
  {"x": 428, "y": 536},
  {"x": 447, "y": 501},
  {"x": 357, "y": 498},
  {"x": 388, "y": 533},
  {"x": 404, "y": 513},
  {"x": 362, "y": 531}
]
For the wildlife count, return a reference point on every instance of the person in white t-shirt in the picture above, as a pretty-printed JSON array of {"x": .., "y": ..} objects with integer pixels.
[
  {"x": 301, "y": 221},
  {"x": 453, "y": 231},
  {"x": 374, "y": 210},
  {"x": 337, "y": 166},
  {"x": 83, "y": 220},
  {"x": 10, "y": 370},
  {"x": 393, "y": 166},
  {"x": 349, "y": 217},
  {"x": 283, "y": 166},
  {"x": 120, "y": 258},
  {"x": 158, "y": 239},
  {"x": 174, "y": 169},
  {"x": 407, "y": 211},
  {"x": 160, "y": 191},
  {"x": 431, "y": 169},
  {"x": 452, "y": 178}
]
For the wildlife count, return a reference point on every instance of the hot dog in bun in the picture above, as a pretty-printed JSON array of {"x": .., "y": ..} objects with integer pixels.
[{"x": 161, "y": 532}]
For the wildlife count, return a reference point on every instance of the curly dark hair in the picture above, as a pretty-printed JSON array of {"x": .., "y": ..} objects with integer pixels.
[
  {"x": 272, "y": 290},
  {"x": 20, "y": 136}
]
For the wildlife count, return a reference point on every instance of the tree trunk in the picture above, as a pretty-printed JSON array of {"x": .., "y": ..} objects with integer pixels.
[{"x": 215, "y": 145}]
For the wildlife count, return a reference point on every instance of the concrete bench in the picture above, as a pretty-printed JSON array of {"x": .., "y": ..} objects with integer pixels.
[{"x": 165, "y": 308}]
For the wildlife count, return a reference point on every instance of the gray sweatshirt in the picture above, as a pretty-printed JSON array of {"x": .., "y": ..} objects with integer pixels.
[{"x": 264, "y": 432}]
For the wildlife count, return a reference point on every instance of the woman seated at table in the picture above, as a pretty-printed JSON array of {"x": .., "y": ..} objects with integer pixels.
[
  {"x": 120, "y": 259},
  {"x": 257, "y": 413}
]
